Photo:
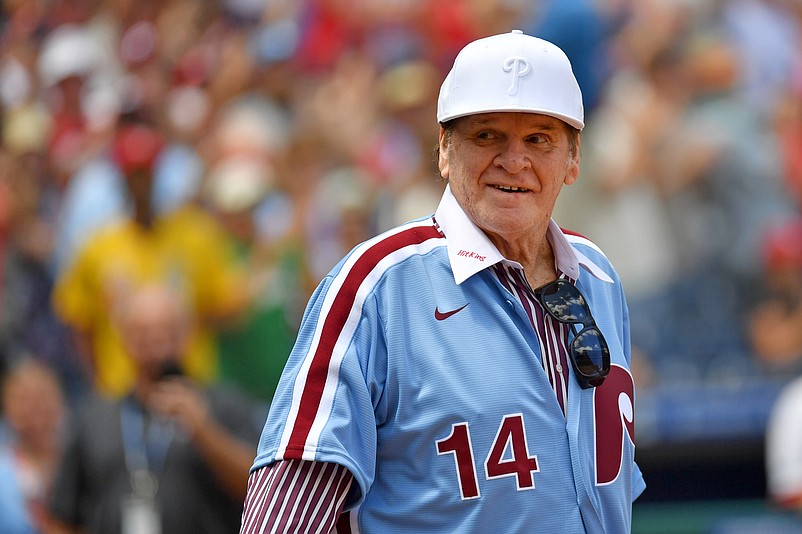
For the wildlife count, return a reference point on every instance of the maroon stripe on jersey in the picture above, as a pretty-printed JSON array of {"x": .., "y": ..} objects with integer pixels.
[
  {"x": 295, "y": 494},
  {"x": 502, "y": 277},
  {"x": 334, "y": 509},
  {"x": 315, "y": 496},
  {"x": 254, "y": 509},
  {"x": 293, "y": 498},
  {"x": 320, "y": 500},
  {"x": 516, "y": 286},
  {"x": 257, "y": 502},
  {"x": 335, "y": 321},
  {"x": 281, "y": 485}
]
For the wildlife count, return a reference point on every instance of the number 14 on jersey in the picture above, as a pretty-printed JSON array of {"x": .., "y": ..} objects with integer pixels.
[{"x": 508, "y": 457}]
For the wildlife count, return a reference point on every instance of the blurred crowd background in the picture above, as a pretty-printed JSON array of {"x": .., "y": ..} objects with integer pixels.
[{"x": 281, "y": 133}]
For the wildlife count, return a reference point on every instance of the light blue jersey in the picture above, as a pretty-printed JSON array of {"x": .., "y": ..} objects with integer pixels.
[{"x": 419, "y": 372}]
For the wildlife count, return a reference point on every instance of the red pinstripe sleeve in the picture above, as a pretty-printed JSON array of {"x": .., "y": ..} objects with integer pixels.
[{"x": 295, "y": 496}]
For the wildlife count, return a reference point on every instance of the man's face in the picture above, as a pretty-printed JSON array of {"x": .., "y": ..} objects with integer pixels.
[
  {"x": 153, "y": 329},
  {"x": 506, "y": 170}
]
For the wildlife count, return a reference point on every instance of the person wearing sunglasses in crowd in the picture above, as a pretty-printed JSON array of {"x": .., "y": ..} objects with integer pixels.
[{"x": 467, "y": 371}]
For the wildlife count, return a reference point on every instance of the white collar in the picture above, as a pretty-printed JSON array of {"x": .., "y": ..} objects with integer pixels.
[{"x": 470, "y": 250}]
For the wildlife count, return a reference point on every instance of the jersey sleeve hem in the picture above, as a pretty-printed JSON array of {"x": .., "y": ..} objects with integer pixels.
[{"x": 361, "y": 478}]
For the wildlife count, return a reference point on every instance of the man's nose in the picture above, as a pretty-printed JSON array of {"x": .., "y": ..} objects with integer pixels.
[{"x": 514, "y": 157}]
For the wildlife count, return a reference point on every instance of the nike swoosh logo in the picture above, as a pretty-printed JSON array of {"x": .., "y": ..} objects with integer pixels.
[{"x": 440, "y": 316}]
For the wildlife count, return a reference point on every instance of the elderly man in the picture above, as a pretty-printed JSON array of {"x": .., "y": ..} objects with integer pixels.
[{"x": 468, "y": 371}]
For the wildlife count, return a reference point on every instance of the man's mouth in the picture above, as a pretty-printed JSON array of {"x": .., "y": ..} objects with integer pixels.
[{"x": 511, "y": 189}]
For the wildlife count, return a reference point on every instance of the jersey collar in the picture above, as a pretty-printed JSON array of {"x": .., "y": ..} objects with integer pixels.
[{"x": 470, "y": 250}]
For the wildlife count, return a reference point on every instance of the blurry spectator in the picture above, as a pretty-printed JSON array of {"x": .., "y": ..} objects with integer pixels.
[
  {"x": 681, "y": 185},
  {"x": 121, "y": 69},
  {"x": 768, "y": 41},
  {"x": 789, "y": 130},
  {"x": 170, "y": 456},
  {"x": 398, "y": 153},
  {"x": 92, "y": 197},
  {"x": 786, "y": 106},
  {"x": 96, "y": 195},
  {"x": 775, "y": 323},
  {"x": 34, "y": 410},
  {"x": 27, "y": 322},
  {"x": 254, "y": 346},
  {"x": 724, "y": 191},
  {"x": 339, "y": 217},
  {"x": 72, "y": 56},
  {"x": 184, "y": 248}
]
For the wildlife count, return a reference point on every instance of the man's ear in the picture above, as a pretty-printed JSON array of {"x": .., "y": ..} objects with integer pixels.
[
  {"x": 573, "y": 165},
  {"x": 442, "y": 153}
]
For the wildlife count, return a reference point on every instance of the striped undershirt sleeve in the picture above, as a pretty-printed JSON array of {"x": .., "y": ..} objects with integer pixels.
[{"x": 295, "y": 496}]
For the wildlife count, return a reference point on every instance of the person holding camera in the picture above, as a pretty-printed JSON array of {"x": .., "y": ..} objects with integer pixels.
[{"x": 172, "y": 456}]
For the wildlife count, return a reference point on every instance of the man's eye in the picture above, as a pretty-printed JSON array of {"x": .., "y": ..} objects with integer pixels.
[
  {"x": 484, "y": 135},
  {"x": 536, "y": 139}
]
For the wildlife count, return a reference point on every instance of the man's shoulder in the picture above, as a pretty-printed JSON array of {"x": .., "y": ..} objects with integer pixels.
[
  {"x": 415, "y": 238},
  {"x": 587, "y": 247},
  {"x": 580, "y": 240},
  {"x": 591, "y": 258}
]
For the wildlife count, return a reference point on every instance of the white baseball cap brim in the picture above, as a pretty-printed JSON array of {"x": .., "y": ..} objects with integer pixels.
[{"x": 511, "y": 72}]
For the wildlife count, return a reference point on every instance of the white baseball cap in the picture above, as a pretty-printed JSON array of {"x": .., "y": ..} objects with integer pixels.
[
  {"x": 238, "y": 183},
  {"x": 511, "y": 72},
  {"x": 69, "y": 50}
]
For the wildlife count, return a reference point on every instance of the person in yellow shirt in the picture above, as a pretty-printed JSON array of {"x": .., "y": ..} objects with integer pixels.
[{"x": 185, "y": 248}]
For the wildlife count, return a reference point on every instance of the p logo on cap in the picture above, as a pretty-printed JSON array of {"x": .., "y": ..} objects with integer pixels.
[
  {"x": 511, "y": 72},
  {"x": 518, "y": 66}
]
